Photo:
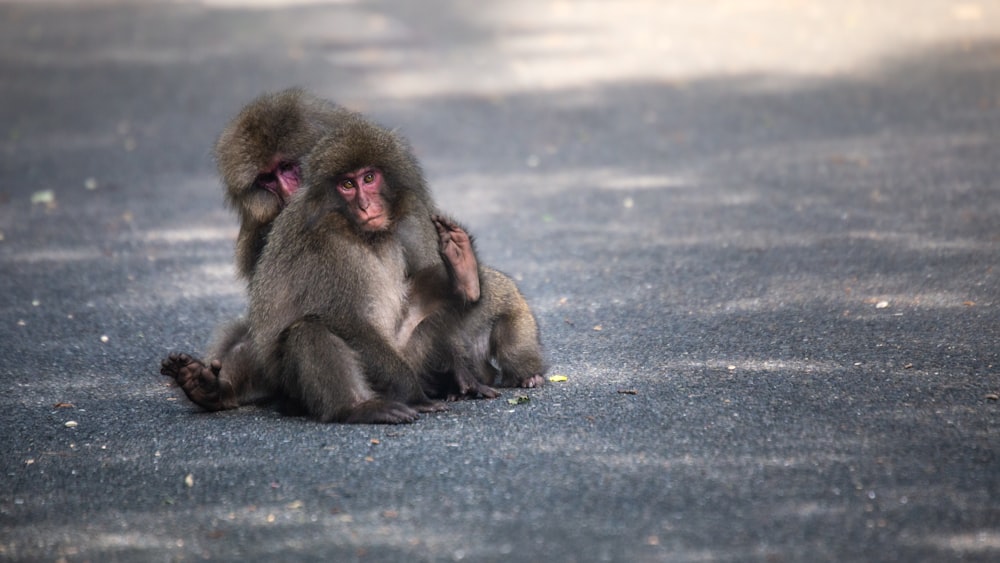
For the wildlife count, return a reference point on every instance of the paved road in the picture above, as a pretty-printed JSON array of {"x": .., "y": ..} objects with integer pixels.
[{"x": 761, "y": 239}]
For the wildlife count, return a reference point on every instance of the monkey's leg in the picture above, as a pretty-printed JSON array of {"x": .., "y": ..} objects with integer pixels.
[
  {"x": 514, "y": 345},
  {"x": 460, "y": 258},
  {"x": 469, "y": 387},
  {"x": 232, "y": 378},
  {"x": 327, "y": 377},
  {"x": 471, "y": 353},
  {"x": 201, "y": 383}
]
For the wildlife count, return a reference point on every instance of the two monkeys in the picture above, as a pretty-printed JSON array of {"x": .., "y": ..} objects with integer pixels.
[{"x": 366, "y": 304}]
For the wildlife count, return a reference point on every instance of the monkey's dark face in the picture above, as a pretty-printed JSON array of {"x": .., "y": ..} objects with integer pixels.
[
  {"x": 281, "y": 177},
  {"x": 363, "y": 191}
]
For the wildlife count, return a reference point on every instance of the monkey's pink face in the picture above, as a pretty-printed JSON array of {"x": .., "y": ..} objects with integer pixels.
[
  {"x": 362, "y": 190},
  {"x": 281, "y": 179}
]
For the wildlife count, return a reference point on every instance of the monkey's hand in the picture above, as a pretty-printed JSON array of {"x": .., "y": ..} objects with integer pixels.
[
  {"x": 200, "y": 383},
  {"x": 459, "y": 256},
  {"x": 429, "y": 406},
  {"x": 380, "y": 411},
  {"x": 471, "y": 388}
]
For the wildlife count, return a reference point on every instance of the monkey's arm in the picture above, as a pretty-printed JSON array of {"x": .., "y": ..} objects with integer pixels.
[
  {"x": 459, "y": 257},
  {"x": 442, "y": 251}
]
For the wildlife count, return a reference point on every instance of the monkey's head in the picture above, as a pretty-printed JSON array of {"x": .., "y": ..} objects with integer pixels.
[
  {"x": 259, "y": 153},
  {"x": 366, "y": 174}
]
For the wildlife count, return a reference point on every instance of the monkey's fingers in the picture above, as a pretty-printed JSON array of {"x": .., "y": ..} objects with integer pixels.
[
  {"x": 199, "y": 382},
  {"x": 476, "y": 391},
  {"x": 447, "y": 228},
  {"x": 443, "y": 223},
  {"x": 430, "y": 406},
  {"x": 378, "y": 411},
  {"x": 172, "y": 364},
  {"x": 460, "y": 258},
  {"x": 487, "y": 392}
]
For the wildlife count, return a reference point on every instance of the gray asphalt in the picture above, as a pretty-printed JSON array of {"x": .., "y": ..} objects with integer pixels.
[{"x": 761, "y": 239}]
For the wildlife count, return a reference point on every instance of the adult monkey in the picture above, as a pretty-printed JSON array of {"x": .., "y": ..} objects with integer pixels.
[
  {"x": 333, "y": 299},
  {"x": 259, "y": 156}
]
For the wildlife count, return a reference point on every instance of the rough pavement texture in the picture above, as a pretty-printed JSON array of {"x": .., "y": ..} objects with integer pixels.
[{"x": 761, "y": 238}]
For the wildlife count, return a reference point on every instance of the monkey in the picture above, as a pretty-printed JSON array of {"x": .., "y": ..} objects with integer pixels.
[
  {"x": 493, "y": 342},
  {"x": 259, "y": 156},
  {"x": 331, "y": 295},
  {"x": 504, "y": 329},
  {"x": 333, "y": 299},
  {"x": 213, "y": 388}
]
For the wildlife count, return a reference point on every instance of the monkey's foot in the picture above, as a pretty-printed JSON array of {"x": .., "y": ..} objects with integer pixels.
[
  {"x": 533, "y": 381},
  {"x": 378, "y": 411},
  {"x": 456, "y": 247},
  {"x": 470, "y": 388},
  {"x": 200, "y": 382},
  {"x": 480, "y": 391},
  {"x": 430, "y": 406}
]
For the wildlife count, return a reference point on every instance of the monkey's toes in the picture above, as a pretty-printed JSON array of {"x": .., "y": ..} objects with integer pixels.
[
  {"x": 533, "y": 381},
  {"x": 199, "y": 382},
  {"x": 173, "y": 364}
]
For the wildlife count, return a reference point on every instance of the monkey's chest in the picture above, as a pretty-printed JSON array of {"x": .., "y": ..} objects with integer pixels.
[{"x": 387, "y": 295}]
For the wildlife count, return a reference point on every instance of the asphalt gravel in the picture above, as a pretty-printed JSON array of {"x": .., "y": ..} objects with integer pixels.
[{"x": 760, "y": 238}]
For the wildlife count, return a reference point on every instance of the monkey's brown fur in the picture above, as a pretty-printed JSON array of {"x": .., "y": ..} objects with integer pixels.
[
  {"x": 449, "y": 339},
  {"x": 328, "y": 298},
  {"x": 274, "y": 128},
  {"x": 282, "y": 126}
]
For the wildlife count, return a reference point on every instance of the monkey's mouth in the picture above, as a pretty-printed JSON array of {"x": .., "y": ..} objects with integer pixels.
[{"x": 374, "y": 222}]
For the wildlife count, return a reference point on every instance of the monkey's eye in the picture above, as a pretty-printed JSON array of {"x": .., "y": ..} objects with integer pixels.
[
  {"x": 348, "y": 184},
  {"x": 369, "y": 178}
]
